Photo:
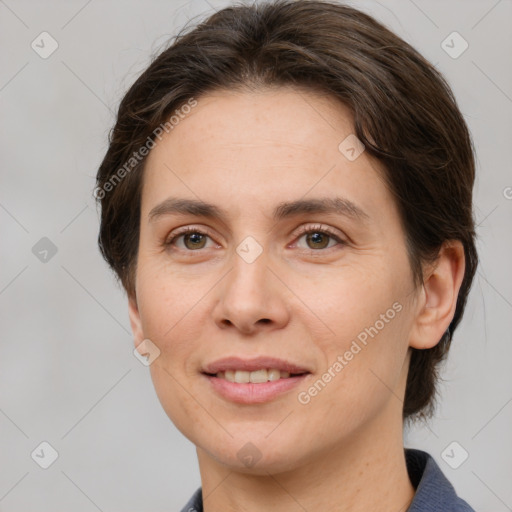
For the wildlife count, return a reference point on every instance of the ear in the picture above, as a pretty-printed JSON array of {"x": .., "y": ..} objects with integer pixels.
[
  {"x": 133, "y": 311},
  {"x": 438, "y": 298}
]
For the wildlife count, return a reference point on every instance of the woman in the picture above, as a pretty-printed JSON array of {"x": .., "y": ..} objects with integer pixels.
[{"x": 287, "y": 201}]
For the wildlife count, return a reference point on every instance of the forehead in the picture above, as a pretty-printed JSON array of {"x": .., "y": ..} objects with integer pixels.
[
  {"x": 280, "y": 143},
  {"x": 278, "y": 116}
]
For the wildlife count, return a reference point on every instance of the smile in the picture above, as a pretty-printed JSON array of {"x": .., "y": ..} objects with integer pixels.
[
  {"x": 256, "y": 377},
  {"x": 250, "y": 392}
]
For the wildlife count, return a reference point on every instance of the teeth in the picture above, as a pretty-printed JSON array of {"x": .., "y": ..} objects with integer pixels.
[
  {"x": 258, "y": 376},
  {"x": 274, "y": 374},
  {"x": 242, "y": 377}
]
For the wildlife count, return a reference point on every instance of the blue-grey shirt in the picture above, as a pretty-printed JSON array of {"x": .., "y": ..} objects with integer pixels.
[{"x": 434, "y": 493}]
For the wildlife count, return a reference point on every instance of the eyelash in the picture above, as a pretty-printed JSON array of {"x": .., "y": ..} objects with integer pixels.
[{"x": 303, "y": 231}]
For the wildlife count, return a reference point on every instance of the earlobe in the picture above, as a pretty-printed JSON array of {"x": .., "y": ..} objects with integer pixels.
[
  {"x": 439, "y": 296},
  {"x": 135, "y": 322}
]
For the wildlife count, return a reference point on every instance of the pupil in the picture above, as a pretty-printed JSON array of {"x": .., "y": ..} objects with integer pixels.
[
  {"x": 195, "y": 238},
  {"x": 316, "y": 238}
]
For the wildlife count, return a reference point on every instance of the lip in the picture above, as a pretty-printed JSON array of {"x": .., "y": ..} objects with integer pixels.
[
  {"x": 253, "y": 364},
  {"x": 251, "y": 393}
]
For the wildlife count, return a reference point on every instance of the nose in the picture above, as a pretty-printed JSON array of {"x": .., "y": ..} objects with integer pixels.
[{"x": 251, "y": 297}]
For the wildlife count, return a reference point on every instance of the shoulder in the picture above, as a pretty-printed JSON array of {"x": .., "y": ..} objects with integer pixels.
[
  {"x": 433, "y": 490},
  {"x": 195, "y": 503}
]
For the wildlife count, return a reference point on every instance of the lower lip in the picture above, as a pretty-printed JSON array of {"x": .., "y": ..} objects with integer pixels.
[{"x": 251, "y": 393}]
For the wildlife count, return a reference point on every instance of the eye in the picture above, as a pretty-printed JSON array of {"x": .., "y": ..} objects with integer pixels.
[
  {"x": 319, "y": 237},
  {"x": 192, "y": 238}
]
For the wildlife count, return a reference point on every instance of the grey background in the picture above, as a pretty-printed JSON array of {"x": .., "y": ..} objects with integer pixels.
[{"x": 67, "y": 372}]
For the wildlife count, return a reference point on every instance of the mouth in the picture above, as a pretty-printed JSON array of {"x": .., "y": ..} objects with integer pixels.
[
  {"x": 250, "y": 381},
  {"x": 257, "y": 364},
  {"x": 254, "y": 377}
]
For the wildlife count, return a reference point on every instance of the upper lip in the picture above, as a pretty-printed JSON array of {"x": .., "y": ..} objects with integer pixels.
[{"x": 253, "y": 364}]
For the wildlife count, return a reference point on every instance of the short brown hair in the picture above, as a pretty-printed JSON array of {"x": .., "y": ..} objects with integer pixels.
[{"x": 403, "y": 109}]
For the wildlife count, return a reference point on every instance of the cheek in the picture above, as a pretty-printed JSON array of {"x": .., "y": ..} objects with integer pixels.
[
  {"x": 359, "y": 378},
  {"x": 187, "y": 413},
  {"x": 165, "y": 294},
  {"x": 349, "y": 298},
  {"x": 366, "y": 314},
  {"x": 169, "y": 304}
]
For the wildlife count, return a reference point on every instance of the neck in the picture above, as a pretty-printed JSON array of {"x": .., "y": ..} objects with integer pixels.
[{"x": 368, "y": 472}]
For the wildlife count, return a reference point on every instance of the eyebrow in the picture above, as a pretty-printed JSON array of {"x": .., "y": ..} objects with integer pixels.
[{"x": 325, "y": 205}]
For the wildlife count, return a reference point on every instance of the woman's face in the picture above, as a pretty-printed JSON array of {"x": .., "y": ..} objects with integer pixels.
[{"x": 265, "y": 272}]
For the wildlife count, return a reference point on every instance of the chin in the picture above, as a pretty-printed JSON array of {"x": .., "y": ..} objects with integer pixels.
[
  {"x": 259, "y": 456},
  {"x": 263, "y": 466}
]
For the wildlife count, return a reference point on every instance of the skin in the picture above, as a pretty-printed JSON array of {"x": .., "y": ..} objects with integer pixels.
[{"x": 303, "y": 300}]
